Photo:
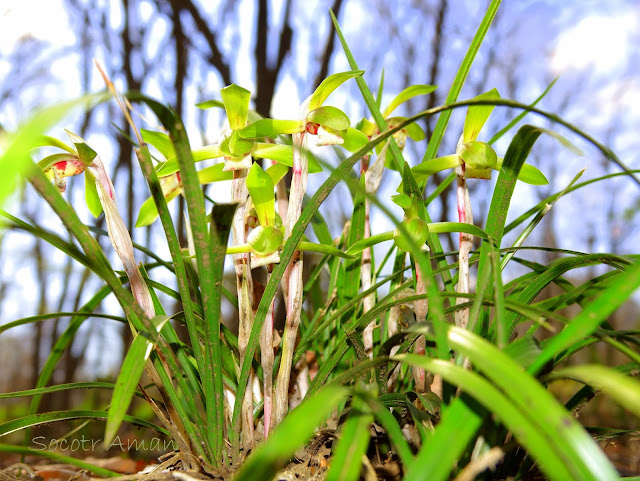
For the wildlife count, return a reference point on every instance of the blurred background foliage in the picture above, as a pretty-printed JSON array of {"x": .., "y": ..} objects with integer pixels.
[{"x": 185, "y": 51}]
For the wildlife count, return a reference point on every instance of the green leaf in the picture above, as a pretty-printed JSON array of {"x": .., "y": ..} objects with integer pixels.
[
  {"x": 582, "y": 456},
  {"x": 209, "y": 257},
  {"x": 522, "y": 114},
  {"x": 477, "y": 116},
  {"x": 478, "y": 155},
  {"x": 295, "y": 430},
  {"x": 160, "y": 141},
  {"x": 438, "y": 455},
  {"x": 624, "y": 389},
  {"x": 346, "y": 462},
  {"x": 91, "y": 194},
  {"x": 128, "y": 379},
  {"x": 58, "y": 458},
  {"x": 47, "y": 418},
  {"x": 563, "y": 140},
  {"x": 236, "y": 104},
  {"x": 523, "y": 350},
  {"x": 459, "y": 80},
  {"x": 260, "y": 186},
  {"x": 594, "y": 314},
  {"x": 219, "y": 229},
  {"x": 533, "y": 434},
  {"x": 330, "y": 117},
  {"x": 270, "y": 128},
  {"x": 392, "y": 428},
  {"x": 328, "y": 85},
  {"x": 406, "y": 94}
]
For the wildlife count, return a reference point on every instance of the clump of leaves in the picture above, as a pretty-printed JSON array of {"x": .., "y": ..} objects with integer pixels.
[{"x": 455, "y": 380}]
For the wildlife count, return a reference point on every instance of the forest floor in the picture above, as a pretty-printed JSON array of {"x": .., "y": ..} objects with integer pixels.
[{"x": 309, "y": 465}]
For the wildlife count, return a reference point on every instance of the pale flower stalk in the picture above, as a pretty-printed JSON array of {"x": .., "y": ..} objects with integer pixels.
[
  {"x": 244, "y": 284},
  {"x": 293, "y": 274},
  {"x": 465, "y": 215},
  {"x": 373, "y": 178}
]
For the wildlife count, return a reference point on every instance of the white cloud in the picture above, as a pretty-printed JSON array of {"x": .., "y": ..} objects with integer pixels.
[
  {"x": 601, "y": 42},
  {"x": 41, "y": 19}
]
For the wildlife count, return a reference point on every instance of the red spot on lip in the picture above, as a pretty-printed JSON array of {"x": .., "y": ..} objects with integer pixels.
[
  {"x": 312, "y": 128},
  {"x": 60, "y": 165}
]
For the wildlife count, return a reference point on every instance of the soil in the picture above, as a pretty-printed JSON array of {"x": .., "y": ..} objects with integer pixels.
[{"x": 310, "y": 464}]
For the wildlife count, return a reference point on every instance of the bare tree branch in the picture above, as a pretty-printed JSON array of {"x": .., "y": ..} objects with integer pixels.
[
  {"x": 215, "y": 58},
  {"x": 266, "y": 76},
  {"x": 436, "y": 58},
  {"x": 328, "y": 48}
]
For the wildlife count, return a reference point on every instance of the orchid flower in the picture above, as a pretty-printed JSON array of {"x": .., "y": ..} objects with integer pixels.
[
  {"x": 100, "y": 196},
  {"x": 478, "y": 158}
]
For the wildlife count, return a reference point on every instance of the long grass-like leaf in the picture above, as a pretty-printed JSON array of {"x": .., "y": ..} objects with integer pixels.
[
  {"x": 54, "y": 416},
  {"x": 583, "y": 455},
  {"x": 536, "y": 436},
  {"x": 591, "y": 316},
  {"x": 354, "y": 439},
  {"x": 59, "y": 458},
  {"x": 197, "y": 218},
  {"x": 624, "y": 389},
  {"x": 56, "y": 315},
  {"x": 296, "y": 428},
  {"x": 62, "y": 344},
  {"x": 130, "y": 373},
  {"x": 514, "y": 159},
  {"x": 436, "y": 457},
  {"x": 461, "y": 76},
  {"x": 396, "y": 154}
]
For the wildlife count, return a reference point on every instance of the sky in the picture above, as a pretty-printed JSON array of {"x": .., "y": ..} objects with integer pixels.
[{"x": 574, "y": 38}]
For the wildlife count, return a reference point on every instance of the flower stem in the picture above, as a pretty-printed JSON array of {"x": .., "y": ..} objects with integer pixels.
[
  {"x": 293, "y": 275},
  {"x": 244, "y": 284},
  {"x": 267, "y": 360},
  {"x": 465, "y": 215}
]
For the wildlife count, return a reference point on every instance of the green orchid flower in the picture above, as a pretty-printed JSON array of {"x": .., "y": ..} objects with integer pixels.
[
  {"x": 267, "y": 237},
  {"x": 478, "y": 158},
  {"x": 412, "y": 131}
]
